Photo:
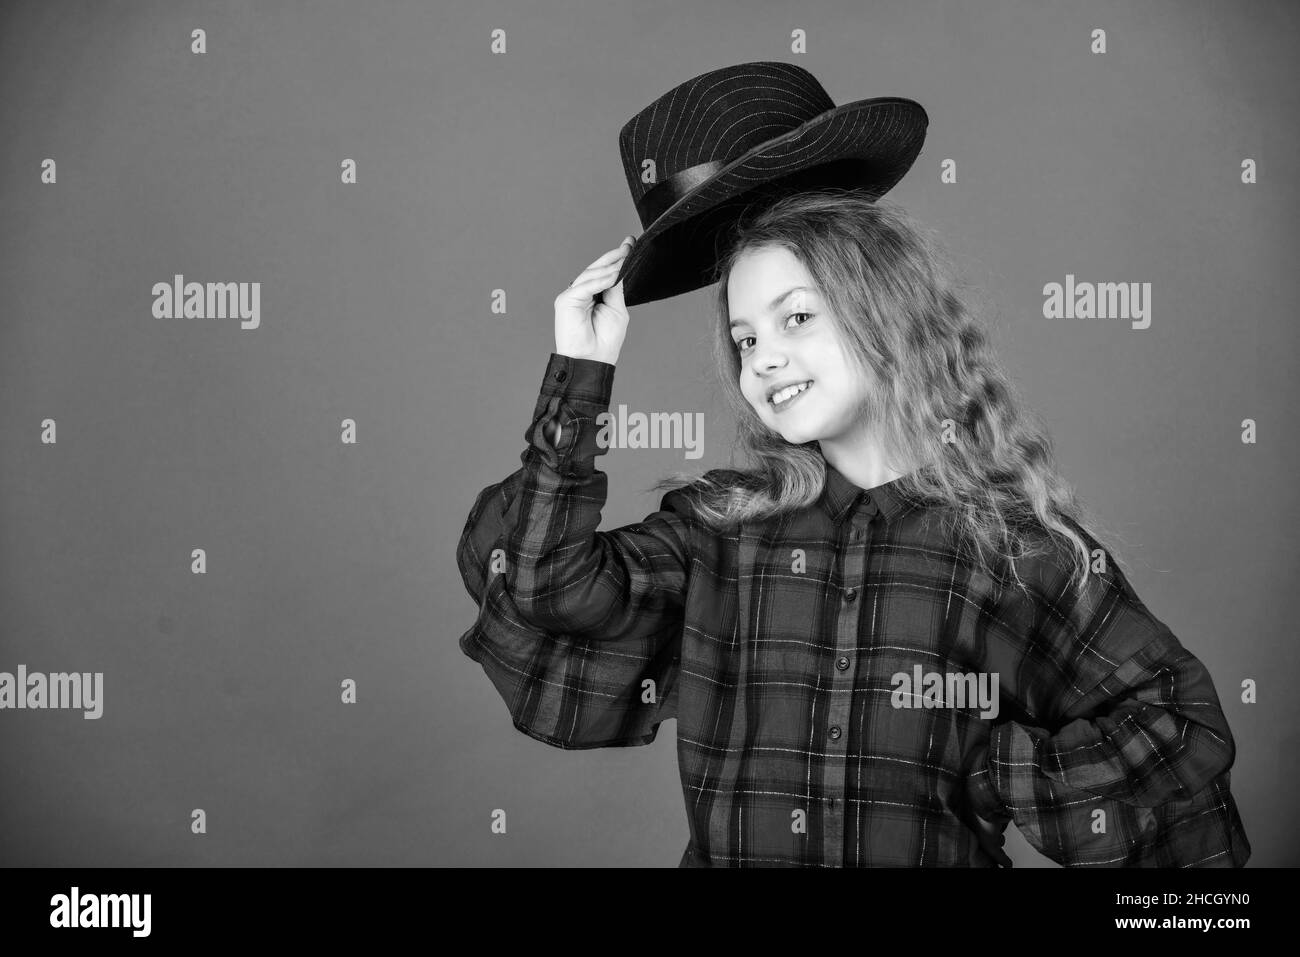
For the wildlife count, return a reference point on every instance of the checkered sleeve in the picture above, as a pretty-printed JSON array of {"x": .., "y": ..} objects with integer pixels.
[
  {"x": 612, "y": 685},
  {"x": 1125, "y": 761},
  {"x": 562, "y": 573}
]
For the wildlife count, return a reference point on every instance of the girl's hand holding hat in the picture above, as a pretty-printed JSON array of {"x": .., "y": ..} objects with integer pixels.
[{"x": 586, "y": 328}]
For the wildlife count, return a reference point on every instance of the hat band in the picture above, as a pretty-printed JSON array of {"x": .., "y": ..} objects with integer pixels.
[{"x": 663, "y": 195}]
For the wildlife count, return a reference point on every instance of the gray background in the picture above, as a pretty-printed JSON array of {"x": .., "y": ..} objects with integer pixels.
[{"x": 481, "y": 171}]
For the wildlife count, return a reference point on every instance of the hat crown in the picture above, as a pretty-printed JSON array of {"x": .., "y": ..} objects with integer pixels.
[{"x": 715, "y": 118}]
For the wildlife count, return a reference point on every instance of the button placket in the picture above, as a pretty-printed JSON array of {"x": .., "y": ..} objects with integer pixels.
[{"x": 840, "y": 700}]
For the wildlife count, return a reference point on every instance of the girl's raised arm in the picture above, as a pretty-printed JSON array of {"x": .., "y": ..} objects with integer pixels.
[
  {"x": 579, "y": 630},
  {"x": 562, "y": 573}
]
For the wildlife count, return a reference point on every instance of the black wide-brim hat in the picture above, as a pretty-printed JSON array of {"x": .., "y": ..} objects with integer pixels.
[{"x": 701, "y": 155}]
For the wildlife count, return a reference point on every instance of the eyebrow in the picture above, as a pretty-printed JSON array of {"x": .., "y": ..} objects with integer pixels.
[{"x": 773, "y": 304}]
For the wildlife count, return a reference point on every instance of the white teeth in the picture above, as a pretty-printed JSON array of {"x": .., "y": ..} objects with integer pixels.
[{"x": 784, "y": 394}]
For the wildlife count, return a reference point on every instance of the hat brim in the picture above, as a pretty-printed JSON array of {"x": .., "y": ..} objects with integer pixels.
[{"x": 866, "y": 145}]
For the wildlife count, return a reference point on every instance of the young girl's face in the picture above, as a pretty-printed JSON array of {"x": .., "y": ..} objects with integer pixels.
[{"x": 791, "y": 339}]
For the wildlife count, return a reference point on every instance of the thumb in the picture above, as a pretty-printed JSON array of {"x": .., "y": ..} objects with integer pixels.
[{"x": 614, "y": 296}]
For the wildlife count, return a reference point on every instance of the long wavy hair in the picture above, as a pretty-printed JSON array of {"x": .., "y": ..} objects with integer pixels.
[{"x": 901, "y": 313}]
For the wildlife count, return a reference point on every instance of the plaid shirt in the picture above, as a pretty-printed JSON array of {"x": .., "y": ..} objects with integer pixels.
[{"x": 779, "y": 650}]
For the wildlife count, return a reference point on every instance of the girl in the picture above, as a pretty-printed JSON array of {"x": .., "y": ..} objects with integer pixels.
[{"x": 891, "y": 635}]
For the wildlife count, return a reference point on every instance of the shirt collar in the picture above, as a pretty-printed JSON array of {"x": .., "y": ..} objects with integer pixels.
[{"x": 840, "y": 497}]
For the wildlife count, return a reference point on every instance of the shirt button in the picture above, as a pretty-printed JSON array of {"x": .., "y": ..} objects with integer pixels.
[
  {"x": 835, "y": 731},
  {"x": 561, "y": 376},
  {"x": 842, "y": 663},
  {"x": 857, "y": 535},
  {"x": 851, "y": 594}
]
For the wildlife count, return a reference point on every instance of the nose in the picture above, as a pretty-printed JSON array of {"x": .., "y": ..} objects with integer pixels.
[{"x": 767, "y": 360}]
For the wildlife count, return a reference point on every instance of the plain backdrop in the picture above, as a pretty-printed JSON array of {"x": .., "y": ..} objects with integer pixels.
[{"x": 480, "y": 172}]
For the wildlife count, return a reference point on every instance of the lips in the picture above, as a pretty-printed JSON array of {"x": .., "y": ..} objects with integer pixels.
[
  {"x": 782, "y": 406},
  {"x": 774, "y": 389}
]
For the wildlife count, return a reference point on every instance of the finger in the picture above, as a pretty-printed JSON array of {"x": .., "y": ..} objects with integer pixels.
[
  {"x": 593, "y": 272},
  {"x": 591, "y": 285},
  {"x": 617, "y": 252},
  {"x": 619, "y": 255}
]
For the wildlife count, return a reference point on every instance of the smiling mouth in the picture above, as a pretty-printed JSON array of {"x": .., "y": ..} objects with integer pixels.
[{"x": 782, "y": 406}]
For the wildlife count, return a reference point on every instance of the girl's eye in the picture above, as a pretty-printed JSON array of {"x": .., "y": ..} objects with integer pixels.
[{"x": 806, "y": 315}]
